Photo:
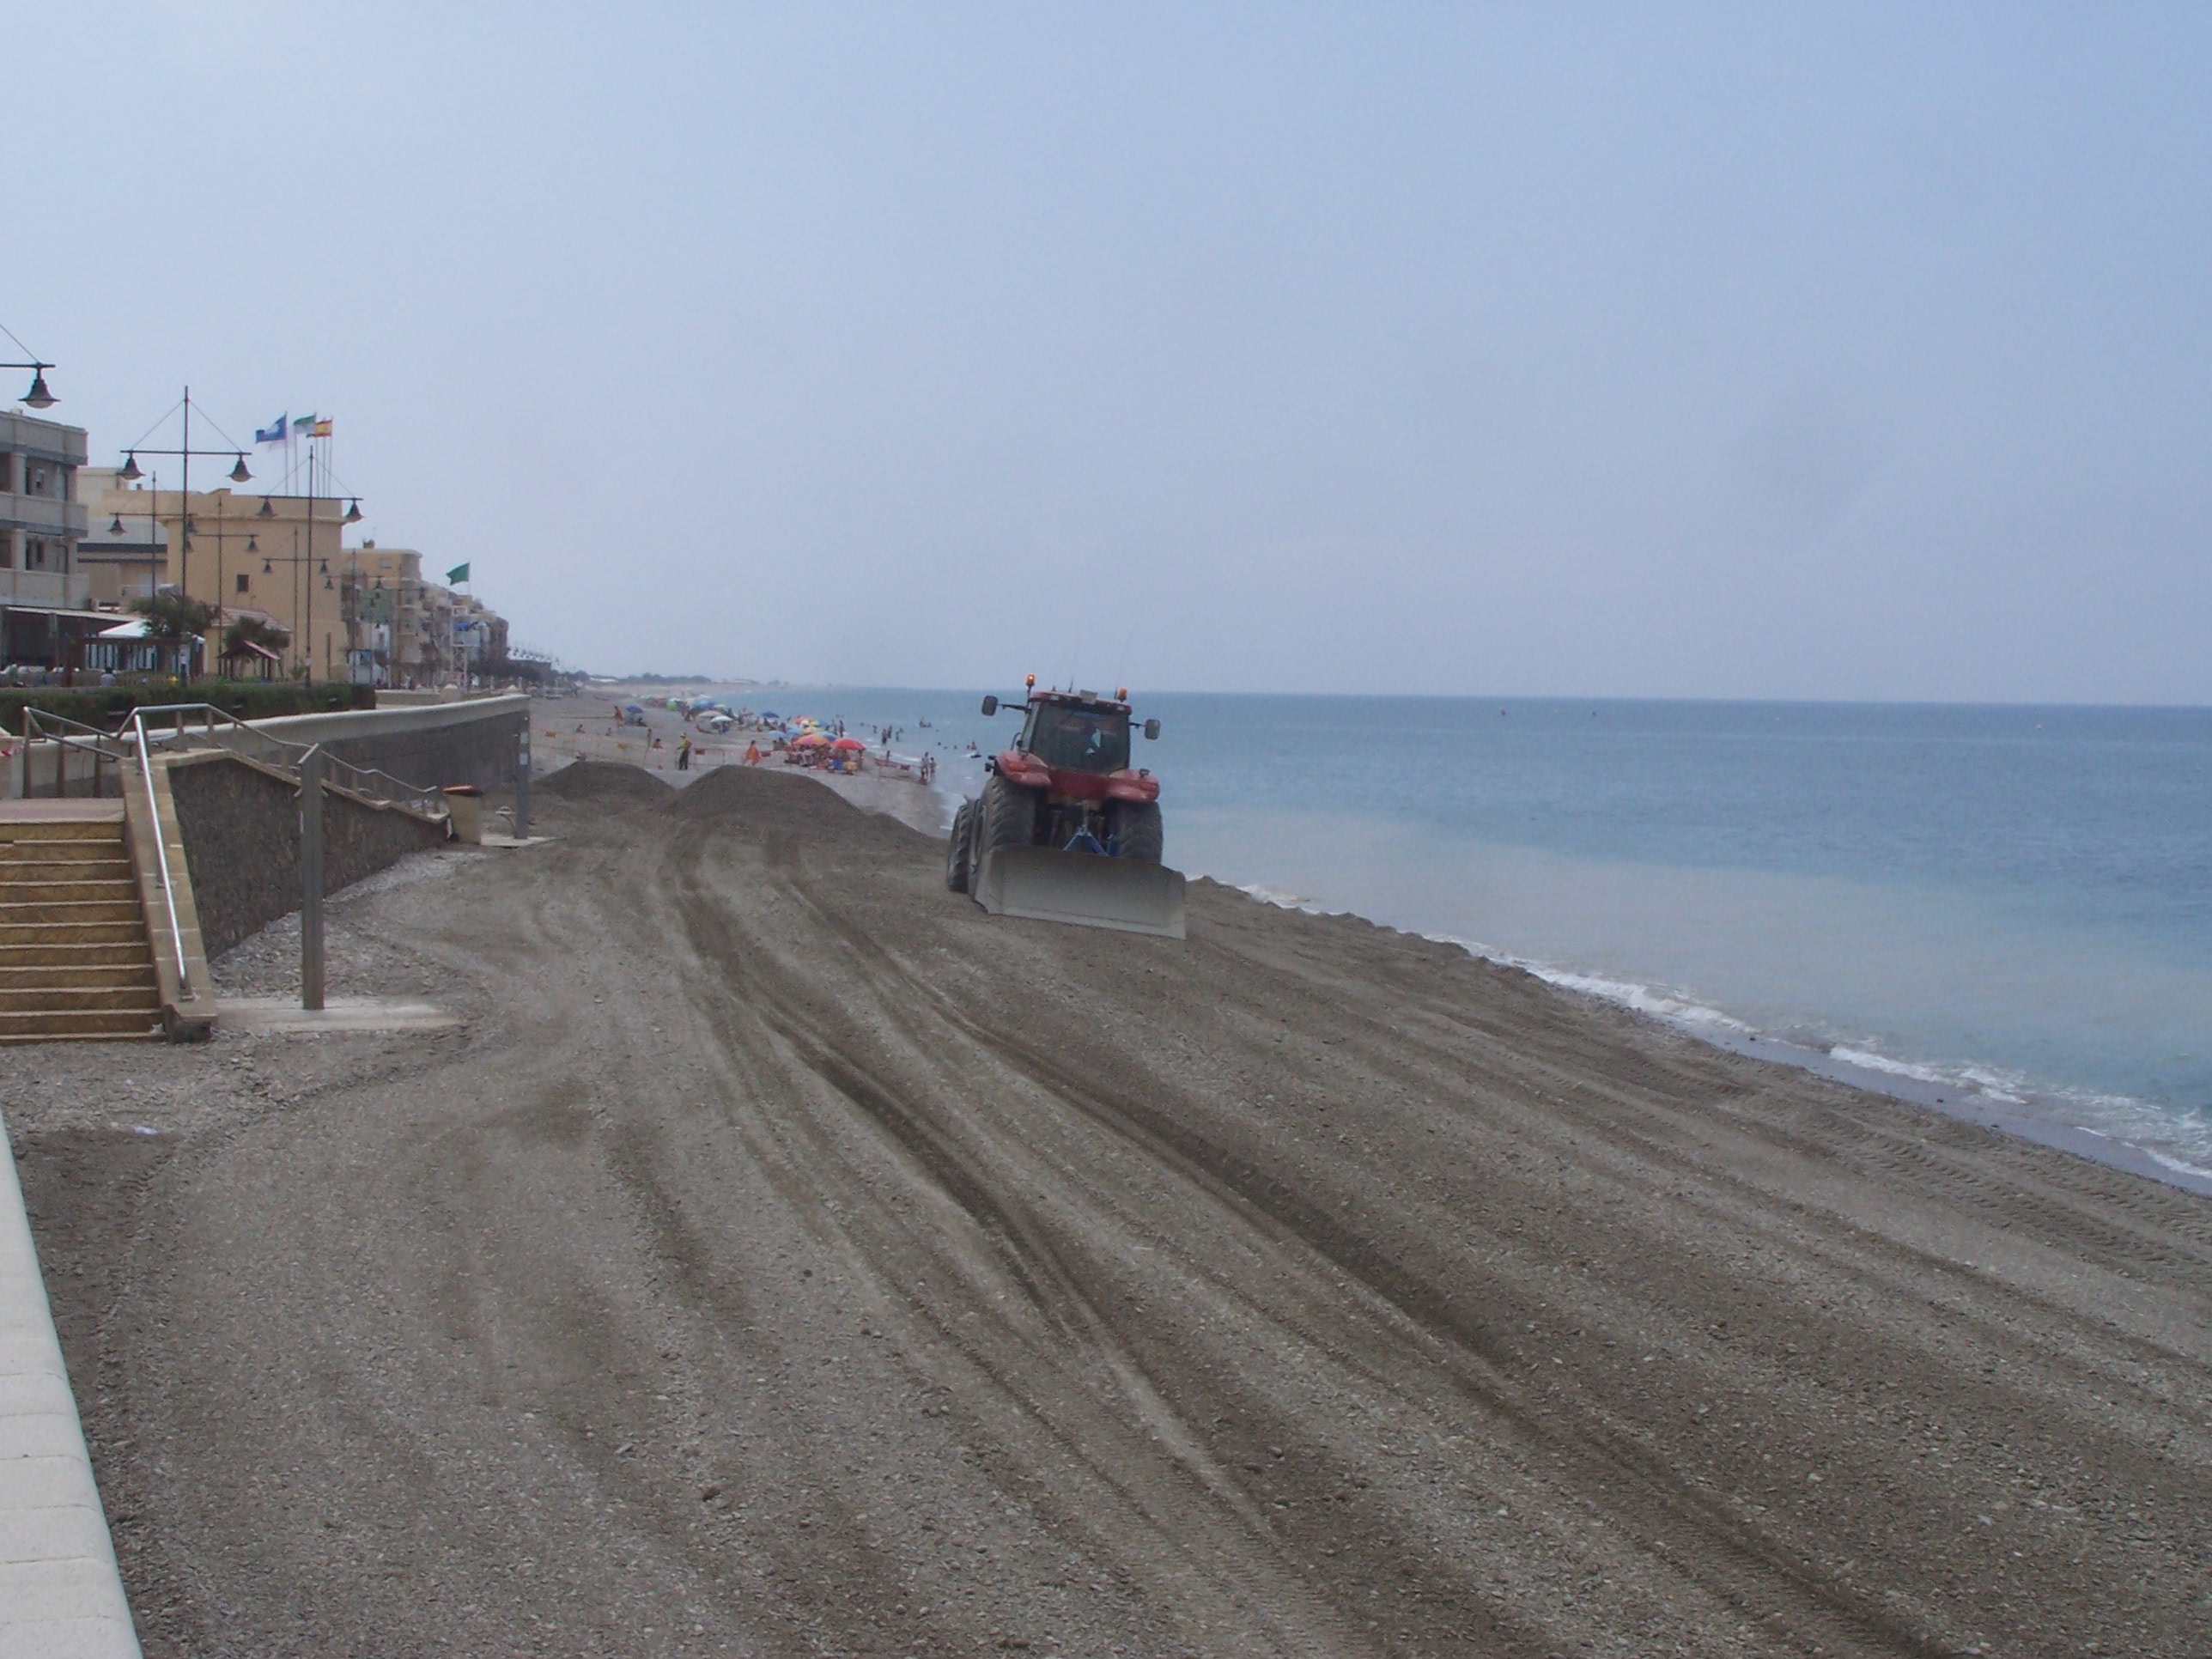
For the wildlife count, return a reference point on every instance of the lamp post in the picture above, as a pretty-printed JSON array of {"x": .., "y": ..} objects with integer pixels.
[
  {"x": 38, "y": 396},
  {"x": 130, "y": 473},
  {"x": 305, "y": 567},
  {"x": 352, "y": 516}
]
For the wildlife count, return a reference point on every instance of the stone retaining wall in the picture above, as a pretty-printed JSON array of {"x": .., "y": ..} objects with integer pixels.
[
  {"x": 241, "y": 829},
  {"x": 434, "y": 746}
]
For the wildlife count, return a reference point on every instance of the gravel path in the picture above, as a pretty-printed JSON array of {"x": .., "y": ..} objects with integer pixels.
[{"x": 786, "y": 1258}]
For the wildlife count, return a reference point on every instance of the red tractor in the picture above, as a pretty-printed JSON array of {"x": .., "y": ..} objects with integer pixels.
[{"x": 1066, "y": 828}]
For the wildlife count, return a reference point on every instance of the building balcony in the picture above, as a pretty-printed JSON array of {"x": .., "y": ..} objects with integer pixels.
[
  {"x": 47, "y": 441},
  {"x": 54, "y": 590},
  {"x": 42, "y": 515}
]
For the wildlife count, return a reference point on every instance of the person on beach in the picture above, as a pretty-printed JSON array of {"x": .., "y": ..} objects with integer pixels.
[
  {"x": 752, "y": 754},
  {"x": 684, "y": 754}
]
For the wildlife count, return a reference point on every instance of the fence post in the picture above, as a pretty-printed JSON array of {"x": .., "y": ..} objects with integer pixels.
[
  {"x": 522, "y": 784},
  {"x": 311, "y": 879}
]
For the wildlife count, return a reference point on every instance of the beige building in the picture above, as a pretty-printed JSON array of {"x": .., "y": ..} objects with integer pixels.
[
  {"x": 278, "y": 557},
  {"x": 385, "y": 609},
  {"x": 363, "y": 613}
]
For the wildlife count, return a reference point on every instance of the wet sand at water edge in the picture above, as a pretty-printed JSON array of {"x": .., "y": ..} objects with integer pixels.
[{"x": 786, "y": 1258}]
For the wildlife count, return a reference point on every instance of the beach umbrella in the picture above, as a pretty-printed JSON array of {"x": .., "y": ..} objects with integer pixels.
[
  {"x": 848, "y": 743},
  {"x": 808, "y": 741}
]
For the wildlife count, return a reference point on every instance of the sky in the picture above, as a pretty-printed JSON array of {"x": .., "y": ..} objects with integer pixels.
[{"x": 1854, "y": 352}]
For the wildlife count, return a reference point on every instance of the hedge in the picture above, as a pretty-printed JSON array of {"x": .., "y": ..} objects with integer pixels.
[{"x": 109, "y": 706}]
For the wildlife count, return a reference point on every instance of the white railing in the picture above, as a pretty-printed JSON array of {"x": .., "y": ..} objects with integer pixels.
[{"x": 161, "y": 860}]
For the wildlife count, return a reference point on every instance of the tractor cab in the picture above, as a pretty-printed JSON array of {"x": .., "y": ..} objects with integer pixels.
[{"x": 1073, "y": 734}]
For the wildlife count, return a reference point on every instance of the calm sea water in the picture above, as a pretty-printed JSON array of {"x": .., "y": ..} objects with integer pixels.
[{"x": 2014, "y": 904}]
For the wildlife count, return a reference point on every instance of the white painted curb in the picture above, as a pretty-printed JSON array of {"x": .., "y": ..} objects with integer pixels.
[{"x": 61, "y": 1596}]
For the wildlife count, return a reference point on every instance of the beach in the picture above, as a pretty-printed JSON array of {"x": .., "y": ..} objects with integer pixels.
[{"x": 783, "y": 1256}]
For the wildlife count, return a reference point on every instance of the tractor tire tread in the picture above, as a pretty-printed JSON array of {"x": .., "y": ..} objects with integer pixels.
[
  {"x": 1137, "y": 831},
  {"x": 957, "y": 873},
  {"x": 1007, "y": 818}
]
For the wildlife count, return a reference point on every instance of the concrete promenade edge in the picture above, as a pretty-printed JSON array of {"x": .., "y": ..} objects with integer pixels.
[{"x": 61, "y": 1595}]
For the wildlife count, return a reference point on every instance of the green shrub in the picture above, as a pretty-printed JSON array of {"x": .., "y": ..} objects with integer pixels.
[{"x": 109, "y": 707}]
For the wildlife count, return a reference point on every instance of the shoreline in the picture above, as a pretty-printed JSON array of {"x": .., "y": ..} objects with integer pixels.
[
  {"x": 1917, "y": 1083},
  {"x": 1899, "y": 1080}
]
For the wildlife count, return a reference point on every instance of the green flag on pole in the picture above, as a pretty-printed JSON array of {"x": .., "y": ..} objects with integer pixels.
[{"x": 460, "y": 573}]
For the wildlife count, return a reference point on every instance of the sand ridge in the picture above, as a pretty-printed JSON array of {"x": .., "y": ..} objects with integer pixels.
[{"x": 791, "y": 1258}]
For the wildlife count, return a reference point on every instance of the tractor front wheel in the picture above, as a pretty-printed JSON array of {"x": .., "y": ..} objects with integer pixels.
[
  {"x": 956, "y": 850},
  {"x": 1007, "y": 817},
  {"x": 1135, "y": 825}
]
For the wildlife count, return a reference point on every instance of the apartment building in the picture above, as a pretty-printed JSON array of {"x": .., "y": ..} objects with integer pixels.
[{"x": 41, "y": 521}]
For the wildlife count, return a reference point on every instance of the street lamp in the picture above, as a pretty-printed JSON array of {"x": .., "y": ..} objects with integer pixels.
[
  {"x": 130, "y": 473},
  {"x": 38, "y": 396}
]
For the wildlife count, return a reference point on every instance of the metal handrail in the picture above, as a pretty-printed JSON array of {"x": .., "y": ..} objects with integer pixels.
[
  {"x": 237, "y": 735},
  {"x": 161, "y": 855},
  {"x": 44, "y": 726}
]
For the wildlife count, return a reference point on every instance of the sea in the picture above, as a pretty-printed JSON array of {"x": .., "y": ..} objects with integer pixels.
[{"x": 2005, "y": 912}]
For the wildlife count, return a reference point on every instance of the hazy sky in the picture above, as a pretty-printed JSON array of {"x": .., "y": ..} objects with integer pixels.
[{"x": 1607, "y": 351}]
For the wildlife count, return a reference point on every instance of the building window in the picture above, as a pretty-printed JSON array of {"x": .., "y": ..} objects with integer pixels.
[
  {"x": 242, "y": 586},
  {"x": 37, "y": 486},
  {"x": 34, "y": 555}
]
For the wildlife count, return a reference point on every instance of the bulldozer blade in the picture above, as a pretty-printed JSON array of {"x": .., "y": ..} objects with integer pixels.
[{"x": 1081, "y": 887}]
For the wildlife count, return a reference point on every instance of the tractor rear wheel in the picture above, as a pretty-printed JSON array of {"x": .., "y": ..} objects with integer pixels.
[
  {"x": 1135, "y": 825},
  {"x": 1005, "y": 816},
  {"x": 956, "y": 849}
]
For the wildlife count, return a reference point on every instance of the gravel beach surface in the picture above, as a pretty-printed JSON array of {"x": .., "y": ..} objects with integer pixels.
[{"x": 784, "y": 1257}]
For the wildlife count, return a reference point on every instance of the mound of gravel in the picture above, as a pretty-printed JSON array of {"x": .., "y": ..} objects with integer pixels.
[{"x": 606, "y": 781}]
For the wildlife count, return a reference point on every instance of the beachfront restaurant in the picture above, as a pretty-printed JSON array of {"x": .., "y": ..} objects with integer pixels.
[{"x": 127, "y": 649}]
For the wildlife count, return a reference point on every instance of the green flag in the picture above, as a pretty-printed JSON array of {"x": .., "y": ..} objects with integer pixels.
[{"x": 460, "y": 573}]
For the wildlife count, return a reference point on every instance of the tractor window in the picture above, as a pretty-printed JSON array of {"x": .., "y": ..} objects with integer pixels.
[{"x": 1077, "y": 740}]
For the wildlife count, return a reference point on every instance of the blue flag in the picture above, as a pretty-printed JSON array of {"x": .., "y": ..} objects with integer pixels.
[{"x": 271, "y": 434}]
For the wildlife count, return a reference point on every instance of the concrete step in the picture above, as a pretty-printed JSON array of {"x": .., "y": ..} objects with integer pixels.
[
  {"x": 73, "y": 970},
  {"x": 55, "y": 892},
  {"x": 114, "y": 867},
  {"x": 107, "y": 827},
  {"x": 80, "y": 999},
  {"x": 133, "y": 932},
  {"x": 49, "y": 1027},
  {"x": 119, "y": 953},
  {"x": 29, "y": 849},
  {"x": 71, "y": 910}
]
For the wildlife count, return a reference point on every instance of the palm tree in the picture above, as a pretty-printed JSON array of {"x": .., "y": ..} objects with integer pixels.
[
  {"x": 176, "y": 621},
  {"x": 170, "y": 616},
  {"x": 255, "y": 630}
]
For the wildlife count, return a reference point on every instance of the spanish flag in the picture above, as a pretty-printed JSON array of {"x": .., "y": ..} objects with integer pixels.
[{"x": 322, "y": 429}]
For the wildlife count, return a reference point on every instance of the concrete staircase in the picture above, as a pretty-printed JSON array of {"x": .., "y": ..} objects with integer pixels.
[{"x": 75, "y": 960}]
